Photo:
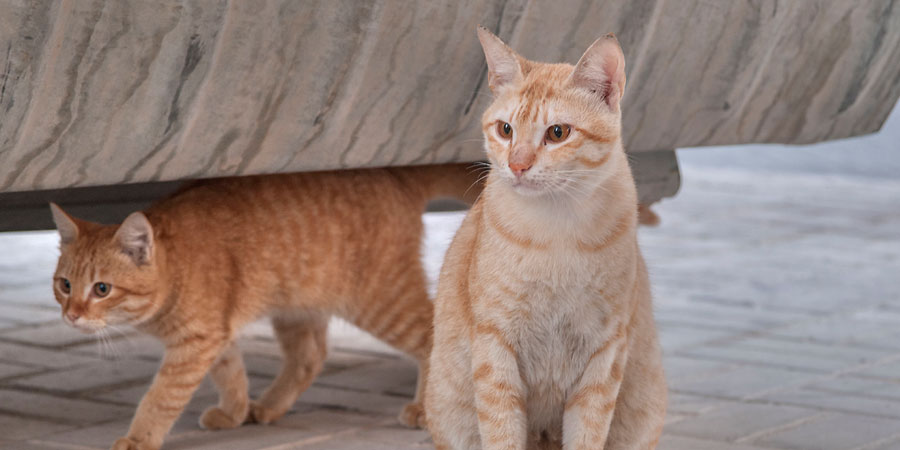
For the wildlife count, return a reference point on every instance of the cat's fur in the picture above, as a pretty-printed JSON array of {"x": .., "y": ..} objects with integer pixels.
[
  {"x": 196, "y": 267},
  {"x": 544, "y": 331}
]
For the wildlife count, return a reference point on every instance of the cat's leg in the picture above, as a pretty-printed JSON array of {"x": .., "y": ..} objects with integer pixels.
[
  {"x": 499, "y": 390},
  {"x": 303, "y": 343},
  {"x": 450, "y": 397},
  {"x": 230, "y": 378},
  {"x": 404, "y": 321},
  {"x": 641, "y": 404},
  {"x": 590, "y": 405},
  {"x": 183, "y": 368}
]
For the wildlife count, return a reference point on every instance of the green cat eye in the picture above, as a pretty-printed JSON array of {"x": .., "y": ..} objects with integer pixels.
[
  {"x": 101, "y": 289},
  {"x": 65, "y": 286}
]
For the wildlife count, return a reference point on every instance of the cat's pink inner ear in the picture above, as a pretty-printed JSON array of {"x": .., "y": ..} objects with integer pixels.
[
  {"x": 65, "y": 224},
  {"x": 602, "y": 70},
  {"x": 135, "y": 236},
  {"x": 502, "y": 61}
]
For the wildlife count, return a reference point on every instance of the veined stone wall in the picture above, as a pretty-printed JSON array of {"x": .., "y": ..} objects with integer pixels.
[{"x": 123, "y": 91}]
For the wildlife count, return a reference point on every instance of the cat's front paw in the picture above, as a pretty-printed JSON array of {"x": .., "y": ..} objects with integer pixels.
[
  {"x": 263, "y": 415},
  {"x": 130, "y": 444},
  {"x": 214, "y": 418},
  {"x": 412, "y": 415}
]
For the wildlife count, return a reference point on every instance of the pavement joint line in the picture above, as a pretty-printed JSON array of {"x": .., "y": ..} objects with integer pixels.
[
  {"x": 874, "y": 445},
  {"x": 357, "y": 351},
  {"x": 783, "y": 427},
  {"x": 40, "y": 370},
  {"x": 62, "y": 445},
  {"x": 707, "y": 299},
  {"x": 849, "y": 345},
  {"x": 837, "y": 374},
  {"x": 863, "y": 376},
  {"x": 55, "y": 421},
  {"x": 771, "y": 402},
  {"x": 746, "y": 363},
  {"x": 704, "y": 325},
  {"x": 77, "y": 395},
  {"x": 855, "y": 394},
  {"x": 321, "y": 438},
  {"x": 386, "y": 393}
]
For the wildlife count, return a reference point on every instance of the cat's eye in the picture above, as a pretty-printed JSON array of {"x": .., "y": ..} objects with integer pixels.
[
  {"x": 558, "y": 133},
  {"x": 101, "y": 289},
  {"x": 65, "y": 286},
  {"x": 504, "y": 129}
]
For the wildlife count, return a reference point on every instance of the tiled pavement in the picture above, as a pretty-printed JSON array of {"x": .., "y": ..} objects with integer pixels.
[{"x": 778, "y": 303}]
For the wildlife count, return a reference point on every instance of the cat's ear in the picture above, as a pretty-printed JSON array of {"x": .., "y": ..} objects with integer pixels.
[
  {"x": 65, "y": 224},
  {"x": 503, "y": 63},
  {"x": 135, "y": 236},
  {"x": 602, "y": 70}
]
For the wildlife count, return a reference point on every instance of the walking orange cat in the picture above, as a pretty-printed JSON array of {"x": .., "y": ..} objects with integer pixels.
[
  {"x": 196, "y": 267},
  {"x": 544, "y": 330}
]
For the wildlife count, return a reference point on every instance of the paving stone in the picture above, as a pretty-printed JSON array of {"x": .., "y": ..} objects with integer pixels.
[
  {"x": 864, "y": 387},
  {"x": 847, "y": 331},
  {"x": 725, "y": 316},
  {"x": 837, "y": 402},
  {"x": 672, "y": 442},
  {"x": 94, "y": 436},
  {"x": 205, "y": 395},
  {"x": 246, "y": 437},
  {"x": 330, "y": 421},
  {"x": 691, "y": 405},
  {"x": 360, "y": 444},
  {"x": 59, "y": 409},
  {"x": 357, "y": 401},
  {"x": 103, "y": 435},
  {"x": 680, "y": 367},
  {"x": 123, "y": 345},
  {"x": 262, "y": 347},
  {"x": 34, "y": 445},
  {"x": 888, "y": 371},
  {"x": 264, "y": 366},
  {"x": 11, "y": 370},
  {"x": 28, "y": 315},
  {"x": 55, "y": 334},
  {"x": 838, "y": 432},
  {"x": 343, "y": 335},
  {"x": 24, "y": 428},
  {"x": 382, "y": 377},
  {"x": 743, "y": 382},
  {"x": 888, "y": 444},
  {"x": 38, "y": 357},
  {"x": 806, "y": 356},
  {"x": 735, "y": 420},
  {"x": 263, "y": 357},
  {"x": 92, "y": 376},
  {"x": 675, "y": 338},
  {"x": 396, "y": 434}
]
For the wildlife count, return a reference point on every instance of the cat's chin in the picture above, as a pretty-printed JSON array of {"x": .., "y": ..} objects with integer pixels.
[{"x": 528, "y": 188}]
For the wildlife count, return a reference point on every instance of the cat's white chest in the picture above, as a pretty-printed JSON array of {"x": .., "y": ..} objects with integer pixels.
[
  {"x": 555, "y": 321},
  {"x": 554, "y": 339}
]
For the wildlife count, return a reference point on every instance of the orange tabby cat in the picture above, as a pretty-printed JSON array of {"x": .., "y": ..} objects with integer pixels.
[
  {"x": 196, "y": 267},
  {"x": 544, "y": 333}
]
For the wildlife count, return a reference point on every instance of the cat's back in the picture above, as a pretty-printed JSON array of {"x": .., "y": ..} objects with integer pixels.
[{"x": 242, "y": 207}]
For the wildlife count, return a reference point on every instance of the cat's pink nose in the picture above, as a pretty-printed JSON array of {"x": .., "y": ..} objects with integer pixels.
[
  {"x": 518, "y": 168},
  {"x": 72, "y": 316}
]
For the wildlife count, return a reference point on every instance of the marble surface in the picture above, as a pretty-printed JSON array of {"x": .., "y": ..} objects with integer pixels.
[{"x": 127, "y": 91}]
